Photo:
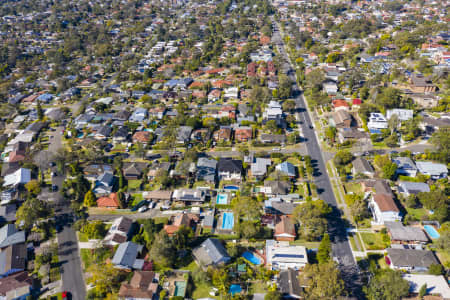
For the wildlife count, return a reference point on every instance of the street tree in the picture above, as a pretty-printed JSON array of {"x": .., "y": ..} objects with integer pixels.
[
  {"x": 387, "y": 285},
  {"x": 323, "y": 281}
]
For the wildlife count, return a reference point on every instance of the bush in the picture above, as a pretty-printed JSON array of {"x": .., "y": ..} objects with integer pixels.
[{"x": 436, "y": 269}]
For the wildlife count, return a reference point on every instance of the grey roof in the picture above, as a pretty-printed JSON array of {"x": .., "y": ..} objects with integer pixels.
[
  {"x": 404, "y": 163},
  {"x": 184, "y": 133},
  {"x": 413, "y": 187},
  {"x": 289, "y": 283},
  {"x": 278, "y": 187},
  {"x": 286, "y": 168},
  {"x": 8, "y": 213},
  {"x": 204, "y": 162},
  {"x": 229, "y": 165},
  {"x": 405, "y": 233},
  {"x": 428, "y": 167},
  {"x": 126, "y": 254},
  {"x": 13, "y": 259},
  {"x": 412, "y": 258},
  {"x": 282, "y": 208},
  {"x": 210, "y": 252},
  {"x": 10, "y": 235},
  {"x": 106, "y": 178},
  {"x": 382, "y": 187},
  {"x": 361, "y": 165}
]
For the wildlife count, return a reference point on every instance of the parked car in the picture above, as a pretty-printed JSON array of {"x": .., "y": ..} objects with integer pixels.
[{"x": 143, "y": 209}]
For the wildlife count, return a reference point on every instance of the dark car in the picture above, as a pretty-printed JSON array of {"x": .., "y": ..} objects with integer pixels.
[{"x": 54, "y": 187}]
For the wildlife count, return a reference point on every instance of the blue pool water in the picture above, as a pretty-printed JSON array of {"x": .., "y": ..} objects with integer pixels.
[
  {"x": 227, "y": 221},
  {"x": 231, "y": 187},
  {"x": 431, "y": 231},
  {"x": 235, "y": 289},
  {"x": 251, "y": 258},
  {"x": 222, "y": 199}
]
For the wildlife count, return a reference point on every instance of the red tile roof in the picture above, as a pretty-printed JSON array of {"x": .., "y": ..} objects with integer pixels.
[{"x": 111, "y": 201}]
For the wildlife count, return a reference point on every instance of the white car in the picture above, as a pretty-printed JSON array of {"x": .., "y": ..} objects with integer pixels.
[{"x": 143, "y": 209}]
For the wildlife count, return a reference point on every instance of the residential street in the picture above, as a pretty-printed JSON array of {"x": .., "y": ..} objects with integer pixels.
[
  {"x": 337, "y": 226},
  {"x": 71, "y": 271}
]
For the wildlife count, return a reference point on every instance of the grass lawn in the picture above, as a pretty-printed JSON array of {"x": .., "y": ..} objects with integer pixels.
[
  {"x": 444, "y": 257},
  {"x": 373, "y": 241},
  {"x": 106, "y": 211},
  {"x": 134, "y": 184},
  {"x": 353, "y": 188},
  {"x": 161, "y": 220},
  {"x": 202, "y": 290},
  {"x": 136, "y": 199},
  {"x": 417, "y": 213},
  {"x": 259, "y": 287},
  {"x": 307, "y": 244},
  {"x": 351, "y": 238},
  {"x": 336, "y": 192},
  {"x": 94, "y": 256},
  {"x": 82, "y": 237}
]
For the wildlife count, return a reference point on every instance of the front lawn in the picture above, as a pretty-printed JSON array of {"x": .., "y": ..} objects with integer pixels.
[{"x": 373, "y": 241}]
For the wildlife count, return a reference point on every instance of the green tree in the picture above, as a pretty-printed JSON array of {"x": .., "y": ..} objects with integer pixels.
[
  {"x": 315, "y": 78},
  {"x": 105, "y": 278},
  {"x": 441, "y": 139},
  {"x": 311, "y": 216},
  {"x": 324, "y": 251},
  {"x": 162, "y": 250},
  {"x": 94, "y": 229},
  {"x": 387, "y": 285},
  {"x": 323, "y": 281},
  {"x": 39, "y": 111},
  {"x": 182, "y": 237},
  {"x": 31, "y": 211},
  {"x": 246, "y": 208},
  {"x": 285, "y": 87},
  {"x": 89, "y": 199},
  {"x": 423, "y": 291},
  {"x": 436, "y": 269},
  {"x": 389, "y": 170},
  {"x": 33, "y": 187},
  {"x": 273, "y": 295},
  {"x": 330, "y": 133},
  {"x": 220, "y": 279},
  {"x": 343, "y": 157}
]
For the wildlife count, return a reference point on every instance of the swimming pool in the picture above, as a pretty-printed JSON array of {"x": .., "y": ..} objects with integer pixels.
[
  {"x": 251, "y": 258},
  {"x": 222, "y": 199},
  {"x": 231, "y": 187},
  {"x": 227, "y": 221},
  {"x": 180, "y": 289},
  {"x": 235, "y": 289},
  {"x": 432, "y": 233}
]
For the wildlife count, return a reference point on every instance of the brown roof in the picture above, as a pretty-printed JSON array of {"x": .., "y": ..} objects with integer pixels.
[
  {"x": 158, "y": 195},
  {"x": 142, "y": 136},
  {"x": 141, "y": 286},
  {"x": 284, "y": 226},
  {"x": 385, "y": 202},
  {"x": 16, "y": 281},
  {"x": 111, "y": 201}
]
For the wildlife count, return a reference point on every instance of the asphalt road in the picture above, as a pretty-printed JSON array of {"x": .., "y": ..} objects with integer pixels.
[
  {"x": 342, "y": 252},
  {"x": 71, "y": 271}
]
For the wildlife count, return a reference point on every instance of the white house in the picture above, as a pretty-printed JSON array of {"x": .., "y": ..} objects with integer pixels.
[
  {"x": 384, "y": 209},
  {"x": 231, "y": 93},
  {"x": 21, "y": 176},
  {"x": 273, "y": 111},
  {"x": 403, "y": 114},
  {"x": 330, "y": 87},
  {"x": 432, "y": 169},
  {"x": 119, "y": 231},
  {"x": 377, "y": 121},
  {"x": 282, "y": 256}
]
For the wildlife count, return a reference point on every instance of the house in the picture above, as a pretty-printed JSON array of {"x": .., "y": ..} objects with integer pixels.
[
  {"x": 258, "y": 168},
  {"x": 273, "y": 111},
  {"x": 347, "y": 134},
  {"x": 425, "y": 100},
  {"x": 10, "y": 235},
  {"x": 142, "y": 137},
  {"x": 159, "y": 195},
  {"x": 184, "y": 134},
  {"x": 402, "y": 114},
  {"x": 93, "y": 171},
  {"x": 405, "y": 166},
  {"x": 289, "y": 285},
  {"x": 111, "y": 201},
  {"x": 340, "y": 104},
  {"x": 206, "y": 169},
  {"x": 330, "y": 87},
  {"x": 229, "y": 169},
  {"x": 189, "y": 195},
  {"x": 243, "y": 133},
  {"x": 342, "y": 119},
  {"x": 122, "y": 115},
  {"x": 382, "y": 187},
  {"x": 181, "y": 219},
  {"x": 411, "y": 259},
  {"x": 126, "y": 256},
  {"x": 211, "y": 253},
  {"x": 155, "y": 168},
  {"x": 384, "y": 209},
  {"x": 143, "y": 286},
  {"x": 267, "y": 138},
  {"x": 118, "y": 232},
  {"x": 287, "y": 169},
  {"x": 104, "y": 183},
  {"x": 281, "y": 256},
  {"x": 103, "y": 133},
  {"x": 285, "y": 229},
  {"x": 421, "y": 84},
  {"x": 16, "y": 286},
  {"x": 223, "y": 134},
  {"x": 21, "y": 176},
  {"x": 231, "y": 93},
  {"x": 121, "y": 135},
  {"x": 436, "y": 284},
  {"x": 362, "y": 166},
  {"x": 13, "y": 259},
  {"x": 138, "y": 115},
  {"x": 408, "y": 188},
  {"x": 276, "y": 187},
  {"x": 408, "y": 235},
  {"x": 376, "y": 122},
  {"x": 8, "y": 213},
  {"x": 133, "y": 170},
  {"x": 227, "y": 111},
  {"x": 157, "y": 112},
  {"x": 275, "y": 206},
  {"x": 434, "y": 170}
]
